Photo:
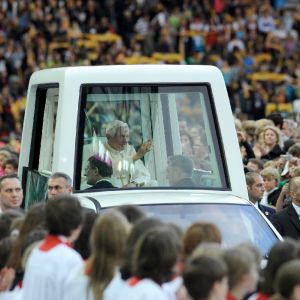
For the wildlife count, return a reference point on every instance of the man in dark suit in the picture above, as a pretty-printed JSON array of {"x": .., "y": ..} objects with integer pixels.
[
  {"x": 179, "y": 171},
  {"x": 255, "y": 187},
  {"x": 98, "y": 172},
  {"x": 287, "y": 220}
]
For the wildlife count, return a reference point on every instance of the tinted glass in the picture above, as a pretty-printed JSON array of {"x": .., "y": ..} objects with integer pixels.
[
  {"x": 180, "y": 123},
  {"x": 237, "y": 223}
]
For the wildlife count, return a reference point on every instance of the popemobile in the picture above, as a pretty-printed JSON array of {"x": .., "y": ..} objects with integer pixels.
[{"x": 158, "y": 136}]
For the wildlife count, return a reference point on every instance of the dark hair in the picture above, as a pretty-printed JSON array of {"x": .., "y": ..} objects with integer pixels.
[
  {"x": 258, "y": 162},
  {"x": 104, "y": 169},
  {"x": 33, "y": 236},
  {"x": 82, "y": 245},
  {"x": 280, "y": 253},
  {"x": 287, "y": 278},
  {"x": 200, "y": 274},
  {"x": 295, "y": 150},
  {"x": 182, "y": 162},
  {"x": 131, "y": 212},
  {"x": 34, "y": 219},
  {"x": 6, "y": 219},
  {"x": 140, "y": 227},
  {"x": 288, "y": 144},
  {"x": 12, "y": 161},
  {"x": 155, "y": 254},
  {"x": 63, "y": 214},
  {"x": 6, "y": 246},
  {"x": 9, "y": 176},
  {"x": 277, "y": 119}
]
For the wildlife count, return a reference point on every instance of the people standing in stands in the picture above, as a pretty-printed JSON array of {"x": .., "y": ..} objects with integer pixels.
[
  {"x": 11, "y": 193},
  {"x": 255, "y": 187},
  {"x": 98, "y": 172},
  {"x": 58, "y": 184},
  {"x": 4, "y": 156},
  {"x": 270, "y": 147},
  {"x": 51, "y": 261},
  {"x": 128, "y": 168}
]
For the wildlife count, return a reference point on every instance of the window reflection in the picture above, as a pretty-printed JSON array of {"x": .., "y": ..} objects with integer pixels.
[{"x": 177, "y": 120}]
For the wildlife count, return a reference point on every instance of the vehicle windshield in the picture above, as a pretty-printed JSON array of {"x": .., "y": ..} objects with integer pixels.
[
  {"x": 174, "y": 126},
  {"x": 237, "y": 223}
]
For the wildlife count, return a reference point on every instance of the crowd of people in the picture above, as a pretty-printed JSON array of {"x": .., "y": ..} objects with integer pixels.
[
  {"x": 122, "y": 254},
  {"x": 59, "y": 250},
  {"x": 254, "y": 43}
]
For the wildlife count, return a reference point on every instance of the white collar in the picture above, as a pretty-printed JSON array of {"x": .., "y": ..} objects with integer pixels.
[
  {"x": 103, "y": 179},
  {"x": 112, "y": 150},
  {"x": 297, "y": 208},
  {"x": 270, "y": 192}
]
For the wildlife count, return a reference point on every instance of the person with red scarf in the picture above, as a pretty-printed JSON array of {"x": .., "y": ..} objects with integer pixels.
[{"x": 51, "y": 261}]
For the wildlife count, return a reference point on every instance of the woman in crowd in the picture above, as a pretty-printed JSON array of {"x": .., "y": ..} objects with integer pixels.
[
  {"x": 198, "y": 233},
  {"x": 269, "y": 148}
]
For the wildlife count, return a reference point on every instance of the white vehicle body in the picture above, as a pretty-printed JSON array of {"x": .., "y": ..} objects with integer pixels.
[{"x": 52, "y": 130}]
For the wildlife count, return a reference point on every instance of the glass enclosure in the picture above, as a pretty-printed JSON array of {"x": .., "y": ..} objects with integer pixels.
[
  {"x": 178, "y": 120},
  {"x": 237, "y": 223}
]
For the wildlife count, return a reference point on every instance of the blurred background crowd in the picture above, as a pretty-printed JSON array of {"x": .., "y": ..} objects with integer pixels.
[{"x": 254, "y": 43}]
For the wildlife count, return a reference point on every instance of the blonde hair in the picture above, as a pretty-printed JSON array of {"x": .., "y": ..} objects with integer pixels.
[
  {"x": 264, "y": 123},
  {"x": 108, "y": 240},
  {"x": 270, "y": 172},
  {"x": 275, "y": 130}
]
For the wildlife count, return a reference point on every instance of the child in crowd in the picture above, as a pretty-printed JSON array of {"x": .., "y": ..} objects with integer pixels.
[
  {"x": 50, "y": 262},
  {"x": 154, "y": 259},
  {"x": 242, "y": 272},
  {"x": 11, "y": 166},
  {"x": 205, "y": 278},
  {"x": 99, "y": 277}
]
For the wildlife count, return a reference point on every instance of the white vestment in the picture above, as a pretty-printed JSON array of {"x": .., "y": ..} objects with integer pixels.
[
  {"x": 46, "y": 272},
  {"x": 125, "y": 170},
  {"x": 77, "y": 286},
  {"x": 145, "y": 289}
]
